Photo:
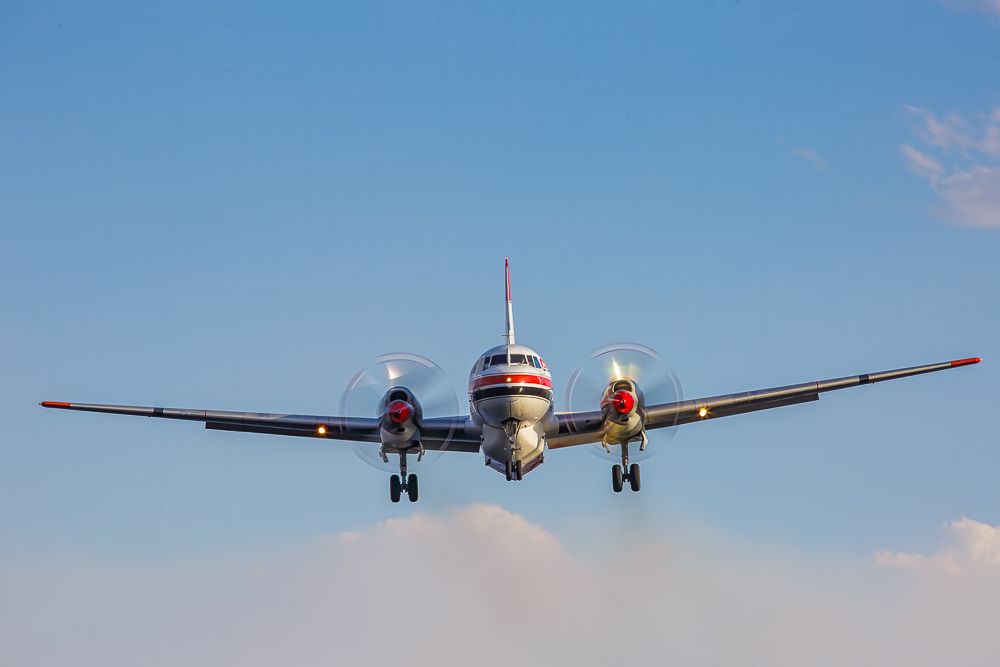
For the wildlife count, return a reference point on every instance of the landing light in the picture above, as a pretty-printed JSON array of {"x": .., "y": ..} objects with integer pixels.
[
  {"x": 320, "y": 430},
  {"x": 703, "y": 412}
]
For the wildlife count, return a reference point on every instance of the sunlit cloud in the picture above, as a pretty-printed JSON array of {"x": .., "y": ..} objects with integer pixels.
[
  {"x": 987, "y": 6},
  {"x": 481, "y": 585},
  {"x": 973, "y": 547},
  {"x": 965, "y": 168},
  {"x": 810, "y": 156}
]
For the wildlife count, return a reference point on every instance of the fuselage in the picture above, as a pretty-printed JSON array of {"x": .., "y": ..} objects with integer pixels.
[{"x": 510, "y": 396}]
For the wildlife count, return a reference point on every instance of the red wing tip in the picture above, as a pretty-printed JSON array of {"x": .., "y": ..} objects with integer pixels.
[
  {"x": 55, "y": 404},
  {"x": 966, "y": 362}
]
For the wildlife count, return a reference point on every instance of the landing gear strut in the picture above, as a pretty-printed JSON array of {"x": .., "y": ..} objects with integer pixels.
[
  {"x": 513, "y": 470},
  {"x": 401, "y": 482},
  {"x": 625, "y": 472}
]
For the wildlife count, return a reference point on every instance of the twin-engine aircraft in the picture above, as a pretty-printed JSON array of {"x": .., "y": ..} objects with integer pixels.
[{"x": 512, "y": 420}]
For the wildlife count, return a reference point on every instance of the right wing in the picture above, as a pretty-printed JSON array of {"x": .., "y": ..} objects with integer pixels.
[
  {"x": 578, "y": 428},
  {"x": 437, "y": 433}
]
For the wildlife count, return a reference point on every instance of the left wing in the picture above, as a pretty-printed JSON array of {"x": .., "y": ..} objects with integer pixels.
[
  {"x": 578, "y": 428},
  {"x": 437, "y": 433}
]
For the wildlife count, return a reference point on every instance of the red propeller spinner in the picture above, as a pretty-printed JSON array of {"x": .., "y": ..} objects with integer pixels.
[
  {"x": 399, "y": 411},
  {"x": 623, "y": 401}
]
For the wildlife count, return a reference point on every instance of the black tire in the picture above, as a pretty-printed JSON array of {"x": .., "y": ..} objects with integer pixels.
[
  {"x": 518, "y": 475},
  {"x": 509, "y": 471},
  {"x": 411, "y": 488},
  {"x": 617, "y": 479},
  {"x": 633, "y": 476},
  {"x": 395, "y": 488}
]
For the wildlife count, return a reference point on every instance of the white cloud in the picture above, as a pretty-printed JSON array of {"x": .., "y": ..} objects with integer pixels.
[
  {"x": 966, "y": 171},
  {"x": 988, "y": 6},
  {"x": 480, "y": 585},
  {"x": 921, "y": 163},
  {"x": 973, "y": 547},
  {"x": 811, "y": 156},
  {"x": 953, "y": 131}
]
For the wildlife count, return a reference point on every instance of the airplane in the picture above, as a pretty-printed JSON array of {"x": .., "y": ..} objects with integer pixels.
[{"x": 512, "y": 420}]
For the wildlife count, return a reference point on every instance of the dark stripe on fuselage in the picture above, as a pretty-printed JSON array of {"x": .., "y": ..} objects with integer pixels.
[{"x": 507, "y": 390}]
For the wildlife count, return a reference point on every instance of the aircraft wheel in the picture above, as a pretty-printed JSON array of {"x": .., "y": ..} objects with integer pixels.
[
  {"x": 518, "y": 475},
  {"x": 395, "y": 487},
  {"x": 411, "y": 488},
  {"x": 617, "y": 479},
  {"x": 509, "y": 470},
  {"x": 633, "y": 476}
]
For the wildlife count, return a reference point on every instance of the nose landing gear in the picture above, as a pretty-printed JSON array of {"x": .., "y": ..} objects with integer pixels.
[
  {"x": 625, "y": 472},
  {"x": 513, "y": 470},
  {"x": 402, "y": 483}
]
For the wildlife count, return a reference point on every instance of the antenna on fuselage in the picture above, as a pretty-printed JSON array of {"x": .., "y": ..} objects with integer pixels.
[{"x": 510, "y": 309}]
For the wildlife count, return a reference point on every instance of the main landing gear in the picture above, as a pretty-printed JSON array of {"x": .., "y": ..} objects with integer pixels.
[
  {"x": 402, "y": 483},
  {"x": 619, "y": 476}
]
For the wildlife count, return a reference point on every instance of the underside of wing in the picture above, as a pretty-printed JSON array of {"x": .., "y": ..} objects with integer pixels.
[
  {"x": 439, "y": 433},
  {"x": 588, "y": 427}
]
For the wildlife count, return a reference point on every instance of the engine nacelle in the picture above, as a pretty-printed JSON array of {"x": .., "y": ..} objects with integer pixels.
[
  {"x": 399, "y": 421},
  {"x": 624, "y": 411}
]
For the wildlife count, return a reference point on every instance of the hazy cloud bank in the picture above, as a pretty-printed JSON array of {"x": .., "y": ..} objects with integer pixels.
[{"x": 484, "y": 586}]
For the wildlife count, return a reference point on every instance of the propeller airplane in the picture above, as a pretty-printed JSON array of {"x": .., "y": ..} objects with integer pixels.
[{"x": 512, "y": 421}]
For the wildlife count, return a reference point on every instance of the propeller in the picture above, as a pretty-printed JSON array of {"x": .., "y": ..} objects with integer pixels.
[
  {"x": 362, "y": 397},
  {"x": 655, "y": 380}
]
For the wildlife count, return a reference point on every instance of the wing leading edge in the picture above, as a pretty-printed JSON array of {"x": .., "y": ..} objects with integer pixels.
[
  {"x": 438, "y": 433},
  {"x": 586, "y": 427}
]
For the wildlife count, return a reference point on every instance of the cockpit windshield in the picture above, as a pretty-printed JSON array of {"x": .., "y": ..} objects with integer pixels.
[
  {"x": 495, "y": 360},
  {"x": 515, "y": 359}
]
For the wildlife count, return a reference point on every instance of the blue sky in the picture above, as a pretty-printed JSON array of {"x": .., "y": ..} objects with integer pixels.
[{"x": 236, "y": 206}]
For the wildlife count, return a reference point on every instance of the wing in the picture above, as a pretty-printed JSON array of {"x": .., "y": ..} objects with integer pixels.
[
  {"x": 579, "y": 428},
  {"x": 437, "y": 433}
]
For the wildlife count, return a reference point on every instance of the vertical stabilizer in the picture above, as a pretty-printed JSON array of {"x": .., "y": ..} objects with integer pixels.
[{"x": 509, "y": 335}]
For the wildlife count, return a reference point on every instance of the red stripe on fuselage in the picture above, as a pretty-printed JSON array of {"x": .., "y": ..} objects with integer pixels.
[{"x": 512, "y": 378}]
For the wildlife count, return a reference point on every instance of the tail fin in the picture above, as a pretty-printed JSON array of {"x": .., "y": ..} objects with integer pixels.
[{"x": 510, "y": 309}]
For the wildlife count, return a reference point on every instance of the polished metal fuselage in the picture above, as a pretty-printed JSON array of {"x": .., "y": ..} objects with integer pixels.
[{"x": 511, "y": 402}]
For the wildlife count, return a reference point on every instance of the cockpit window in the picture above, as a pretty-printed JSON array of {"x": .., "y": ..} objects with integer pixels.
[
  {"x": 533, "y": 360},
  {"x": 518, "y": 359},
  {"x": 498, "y": 360}
]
